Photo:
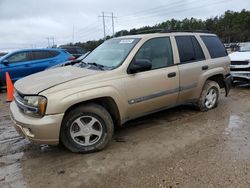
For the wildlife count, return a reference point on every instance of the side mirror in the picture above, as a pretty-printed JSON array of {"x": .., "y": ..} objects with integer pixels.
[
  {"x": 5, "y": 62},
  {"x": 139, "y": 65}
]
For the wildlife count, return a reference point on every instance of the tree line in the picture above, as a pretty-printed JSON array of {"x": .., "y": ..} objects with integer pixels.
[{"x": 230, "y": 27}]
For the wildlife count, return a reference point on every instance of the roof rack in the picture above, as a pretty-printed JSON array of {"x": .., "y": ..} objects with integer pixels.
[
  {"x": 147, "y": 31},
  {"x": 187, "y": 31}
]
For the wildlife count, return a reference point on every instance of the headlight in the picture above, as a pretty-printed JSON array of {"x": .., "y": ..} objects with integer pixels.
[{"x": 38, "y": 103}]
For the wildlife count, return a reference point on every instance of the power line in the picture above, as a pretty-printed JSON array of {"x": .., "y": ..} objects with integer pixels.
[
  {"x": 93, "y": 25},
  {"x": 168, "y": 12},
  {"x": 173, "y": 4}
]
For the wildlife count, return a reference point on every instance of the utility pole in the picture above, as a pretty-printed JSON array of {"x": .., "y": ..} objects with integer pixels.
[
  {"x": 104, "y": 26},
  {"x": 53, "y": 42},
  {"x": 73, "y": 34},
  {"x": 48, "y": 42},
  {"x": 103, "y": 16},
  {"x": 113, "y": 25}
]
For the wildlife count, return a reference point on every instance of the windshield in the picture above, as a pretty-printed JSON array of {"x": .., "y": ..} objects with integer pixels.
[
  {"x": 245, "y": 48},
  {"x": 112, "y": 53}
]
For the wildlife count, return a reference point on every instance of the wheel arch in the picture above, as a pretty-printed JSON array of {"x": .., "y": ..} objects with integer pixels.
[
  {"x": 219, "y": 78},
  {"x": 107, "y": 102}
]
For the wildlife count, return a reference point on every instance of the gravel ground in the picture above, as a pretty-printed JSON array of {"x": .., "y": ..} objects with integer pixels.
[{"x": 179, "y": 147}]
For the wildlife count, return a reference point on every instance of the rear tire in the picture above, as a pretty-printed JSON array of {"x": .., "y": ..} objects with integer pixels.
[
  {"x": 209, "y": 96},
  {"x": 87, "y": 128}
]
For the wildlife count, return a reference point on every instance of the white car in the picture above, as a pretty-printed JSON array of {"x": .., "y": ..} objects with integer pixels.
[{"x": 240, "y": 65}]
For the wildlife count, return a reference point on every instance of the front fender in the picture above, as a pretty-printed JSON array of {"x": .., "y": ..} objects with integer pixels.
[{"x": 59, "y": 102}]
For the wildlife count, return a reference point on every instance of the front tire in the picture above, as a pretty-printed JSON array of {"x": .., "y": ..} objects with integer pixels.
[
  {"x": 209, "y": 96},
  {"x": 87, "y": 128}
]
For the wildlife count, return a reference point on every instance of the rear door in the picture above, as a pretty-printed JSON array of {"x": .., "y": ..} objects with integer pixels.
[
  {"x": 192, "y": 65},
  {"x": 42, "y": 59},
  {"x": 157, "y": 88}
]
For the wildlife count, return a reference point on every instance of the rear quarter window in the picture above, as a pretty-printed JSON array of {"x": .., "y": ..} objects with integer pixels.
[
  {"x": 215, "y": 46},
  {"x": 54, "y": 53}
]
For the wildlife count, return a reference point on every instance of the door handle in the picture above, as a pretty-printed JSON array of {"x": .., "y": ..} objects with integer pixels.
[
  {"x": 205, "y": 67},
  {"x": 171, "y": 74}
]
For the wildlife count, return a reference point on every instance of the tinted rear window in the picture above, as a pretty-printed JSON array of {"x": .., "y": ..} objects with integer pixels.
[
  {"x": 189, "y": 49},
  {"x": 54, "y": 53},
  {"x": 71, "y": 50},
  {"x": 75, "y": 50},
  {"x": 44, "y": 54},
  {"x": 214, "y": 46}
]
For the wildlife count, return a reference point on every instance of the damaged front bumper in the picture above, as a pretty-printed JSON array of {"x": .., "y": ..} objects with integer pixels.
[{"x": 241, "y": 76}]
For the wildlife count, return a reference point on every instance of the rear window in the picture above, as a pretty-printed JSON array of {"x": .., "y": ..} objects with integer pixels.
[
  {"x": 214, "y": 46},
  {"x": 71, "y": 50},
  {"x": 189, "y": 49},
  {"x": 75, "y": 50}
]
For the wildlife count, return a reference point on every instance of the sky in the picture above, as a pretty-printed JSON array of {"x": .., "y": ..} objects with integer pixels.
[{"x": 29, "y": 23}]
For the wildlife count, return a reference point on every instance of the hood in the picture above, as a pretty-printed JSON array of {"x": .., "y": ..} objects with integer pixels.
[
  {"x": 240, "y": 56},
  {"x": 41, "y": 81}
]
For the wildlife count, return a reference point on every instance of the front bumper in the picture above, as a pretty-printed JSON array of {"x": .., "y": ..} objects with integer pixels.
[
  {"x": 241, "y": 76},
  {"x": 44, "y": 130}
]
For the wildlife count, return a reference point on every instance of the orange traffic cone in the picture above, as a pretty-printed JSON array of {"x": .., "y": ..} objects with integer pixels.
[{"x": 10, "y": 88}]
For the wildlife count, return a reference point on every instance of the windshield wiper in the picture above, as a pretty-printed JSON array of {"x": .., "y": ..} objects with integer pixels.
[
  {"x": 82, "y": 63},
  {"x": 101, "y": 67}
]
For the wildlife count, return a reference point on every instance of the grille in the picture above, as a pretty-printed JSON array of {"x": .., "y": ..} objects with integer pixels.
[{"x": 239, "y": 62}]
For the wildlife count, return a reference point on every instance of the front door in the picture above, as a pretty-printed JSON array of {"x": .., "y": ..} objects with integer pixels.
[
  {"x": 157, "y": 88},
  {"x": 18, "y": 66}
]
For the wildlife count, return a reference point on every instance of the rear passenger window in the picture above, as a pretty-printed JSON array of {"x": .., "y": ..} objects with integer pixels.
[
  {"x": 189, "y": 49},
  {"x": 214, "y": 46},
  {"x": 158, "y": 51},
  {"x": 37, "y": 55}
]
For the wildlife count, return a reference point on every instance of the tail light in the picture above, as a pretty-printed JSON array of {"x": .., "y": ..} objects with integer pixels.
[{"x": 71, "y": 58}]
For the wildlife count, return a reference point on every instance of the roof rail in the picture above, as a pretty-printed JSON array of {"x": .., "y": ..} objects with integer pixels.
[
  {"x": 149, "y": 31},
  {"x": 187, "y": 31}
]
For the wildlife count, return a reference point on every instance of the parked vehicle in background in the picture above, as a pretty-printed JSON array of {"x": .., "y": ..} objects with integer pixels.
[
  {"x": 74, "y": 50},
  {"x": 72, "y": 62},
  {"x": 240, "y": 65},
  {"x": 2, "y": 53},
  {"x": 22, "y": 63},
  {"x": 122, "y": 79},
  {"x": 232, "y": 47}
]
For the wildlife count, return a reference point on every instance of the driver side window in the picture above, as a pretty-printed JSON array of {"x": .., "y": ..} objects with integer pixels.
[
  {"x": 19, "y": 57},
  {"x": 158, "y": 51}
]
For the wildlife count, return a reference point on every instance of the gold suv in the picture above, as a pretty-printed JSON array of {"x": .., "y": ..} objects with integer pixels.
[{"x": 122, "y": 79}]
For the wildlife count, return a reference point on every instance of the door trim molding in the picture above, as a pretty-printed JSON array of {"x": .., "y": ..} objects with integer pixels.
[
  {"x": 162, "y": 93},
  {"x": 154, "y": 95}
]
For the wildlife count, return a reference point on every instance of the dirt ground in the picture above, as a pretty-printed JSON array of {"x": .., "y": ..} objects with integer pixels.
[{"x": 180, "y": 147}]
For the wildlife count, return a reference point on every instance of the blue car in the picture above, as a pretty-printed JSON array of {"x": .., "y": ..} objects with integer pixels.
[{"x": 25, "y": 62}]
